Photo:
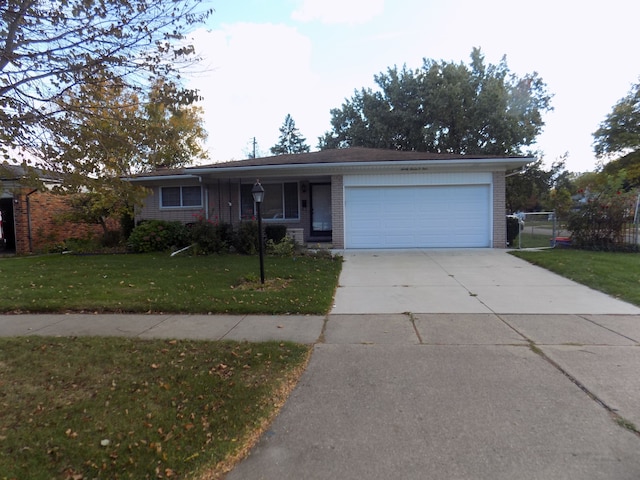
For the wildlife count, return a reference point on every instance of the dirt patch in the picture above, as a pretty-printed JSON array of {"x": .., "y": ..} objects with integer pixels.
[{"x": 270, "y": 284}]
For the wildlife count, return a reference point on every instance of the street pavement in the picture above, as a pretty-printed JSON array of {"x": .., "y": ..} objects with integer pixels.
[{"x": 438, "y": 364}]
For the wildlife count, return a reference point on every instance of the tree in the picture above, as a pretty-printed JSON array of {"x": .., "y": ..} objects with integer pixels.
[
  {"x": 619, "y": 133},
  {"x": 444, "y": 108},
  {"x": 629, "y": 165},
  {"x": 618, "y": 138},
  {"x": 50, "y": 51},
  {"x": 290, "y": 140},
  {"x": 535, "y": 189},
  {"x": 126, "y": 134}
]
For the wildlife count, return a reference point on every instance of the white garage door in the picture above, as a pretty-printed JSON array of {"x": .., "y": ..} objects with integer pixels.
[{"x": 417, "y": 216}]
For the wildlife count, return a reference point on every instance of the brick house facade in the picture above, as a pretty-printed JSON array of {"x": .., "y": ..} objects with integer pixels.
[{"x": 33, "y": 218}]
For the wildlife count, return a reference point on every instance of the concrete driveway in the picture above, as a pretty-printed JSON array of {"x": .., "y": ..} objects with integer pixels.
[
  {"x": 459, "y": 365},
  {"x": 461, "y": 281}
]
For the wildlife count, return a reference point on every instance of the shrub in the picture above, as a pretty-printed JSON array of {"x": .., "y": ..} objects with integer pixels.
[
  {"x": 111, "y": 238},
  {"x": 246, "y": 238},
  {"x": 600, "y": 224},
  {"x": 78, "y": 245},
  {"x": 211, "y": 237},
  {"x": 284, "y": 248},
  {"x": 158, "y": 236},
  {"x": 127, "y": 224},
  {"x": 275, "y": 233}
]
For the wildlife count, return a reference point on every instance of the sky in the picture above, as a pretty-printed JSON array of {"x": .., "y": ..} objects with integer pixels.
[{"x": 264, "y": 59}]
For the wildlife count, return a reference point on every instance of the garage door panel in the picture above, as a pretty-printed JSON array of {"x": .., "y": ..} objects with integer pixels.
[{"x": 417, "y": 216}]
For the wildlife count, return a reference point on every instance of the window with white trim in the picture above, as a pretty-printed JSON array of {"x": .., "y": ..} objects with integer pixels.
[
  {"x": 280, "y": 201},
  {"x": 180, "y": 197}
]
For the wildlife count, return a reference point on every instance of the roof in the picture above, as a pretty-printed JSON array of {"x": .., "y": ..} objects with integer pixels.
[
  {"x": 345, "y": 155},
  {"x": 339, "y": 161},
  {"x": 19, "y": 172}
]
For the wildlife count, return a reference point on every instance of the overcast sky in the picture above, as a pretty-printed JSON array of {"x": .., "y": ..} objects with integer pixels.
[{"x": 265, "y": 59}]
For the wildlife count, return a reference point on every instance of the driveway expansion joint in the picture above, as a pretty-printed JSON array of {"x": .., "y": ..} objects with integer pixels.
[
  {"x": 321, "y": 337},
  {"x": 613, "y": 413},
  {"x": 412, "y": 319},
  {"x": 609, "y": 329}
]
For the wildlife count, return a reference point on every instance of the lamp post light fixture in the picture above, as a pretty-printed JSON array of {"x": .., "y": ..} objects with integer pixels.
[{"x": 258, "y": 196}]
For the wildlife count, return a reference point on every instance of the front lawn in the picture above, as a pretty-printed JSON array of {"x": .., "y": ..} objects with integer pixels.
[
  {"x": 160, "y": 283},
  {"x": 120, "y": 408},
  {"x": 617, "y": 274}
]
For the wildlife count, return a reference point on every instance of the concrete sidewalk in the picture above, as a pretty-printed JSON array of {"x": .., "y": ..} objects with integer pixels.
[{"x": 252, "y": 328}]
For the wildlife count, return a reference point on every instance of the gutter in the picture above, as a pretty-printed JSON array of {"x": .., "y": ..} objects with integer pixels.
[
  {"x": 408, "y": 164},
  {"x": 158, "y": 178}
]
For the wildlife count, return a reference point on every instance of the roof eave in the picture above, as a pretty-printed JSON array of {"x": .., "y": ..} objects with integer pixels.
[
  {"x": 345, "y": 167},
  {"x": 159, "y": 178}
]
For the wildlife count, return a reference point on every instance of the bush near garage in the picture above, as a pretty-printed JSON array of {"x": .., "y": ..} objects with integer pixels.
[
  {"x": 602, "y": 222},
  {"x": 158, "y": 236}
]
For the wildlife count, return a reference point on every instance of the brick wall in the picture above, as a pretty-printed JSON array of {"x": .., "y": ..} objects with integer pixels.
[
  {"x": 337, "y": 210},
  {"x": 47, "y": 228},
  {"x": 499, "y": 211}
]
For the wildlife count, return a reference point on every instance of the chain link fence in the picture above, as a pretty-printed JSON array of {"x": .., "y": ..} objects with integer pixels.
[
  {"x": 535, "y": 230},
  {"x": 546, "y": 230}
]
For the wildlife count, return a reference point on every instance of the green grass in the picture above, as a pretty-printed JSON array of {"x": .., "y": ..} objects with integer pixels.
[
  {"x": 613, "y": 273},
  {"x": 533, "y": 240},
  {"x": 160, "y": 283},
  {"x": 113, "y": 408}
]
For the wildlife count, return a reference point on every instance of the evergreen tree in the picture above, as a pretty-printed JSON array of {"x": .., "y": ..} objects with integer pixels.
[{"x": 290, "y": 139}]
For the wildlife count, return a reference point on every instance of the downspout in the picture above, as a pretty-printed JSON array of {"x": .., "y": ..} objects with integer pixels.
[{"x": 29, "y": 219}]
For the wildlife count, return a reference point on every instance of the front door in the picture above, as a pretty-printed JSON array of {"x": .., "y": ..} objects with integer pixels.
[{"x": 320, "y": 209}]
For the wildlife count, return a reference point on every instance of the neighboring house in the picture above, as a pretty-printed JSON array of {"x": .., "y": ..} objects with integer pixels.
[
  {"x": 352, "y": 198},
  {"x": 31, "y": 217}
]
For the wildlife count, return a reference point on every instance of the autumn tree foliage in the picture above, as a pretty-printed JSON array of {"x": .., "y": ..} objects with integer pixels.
[
  {"x": 126, "y": 134},
  {"x": 54, "y": 55},
  {"x": 92, "y": 90}
]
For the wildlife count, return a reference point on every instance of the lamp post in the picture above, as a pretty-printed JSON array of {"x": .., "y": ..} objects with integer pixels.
[{"x": 258, "y": 195}]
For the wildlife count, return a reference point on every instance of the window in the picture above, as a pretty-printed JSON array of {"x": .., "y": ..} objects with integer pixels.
[
  {"x": 180, "y": 197},
  {"x": 280, "y": 201}
]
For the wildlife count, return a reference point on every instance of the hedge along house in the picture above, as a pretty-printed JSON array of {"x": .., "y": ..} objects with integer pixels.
[{"x": 353, "y": 198}]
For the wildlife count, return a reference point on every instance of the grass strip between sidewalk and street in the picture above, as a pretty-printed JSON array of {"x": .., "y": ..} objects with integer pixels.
[
  {"x": 120, "y": 408},
  {"x": 614, "y": 273},
  {"x": 162, "y": 284}
]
